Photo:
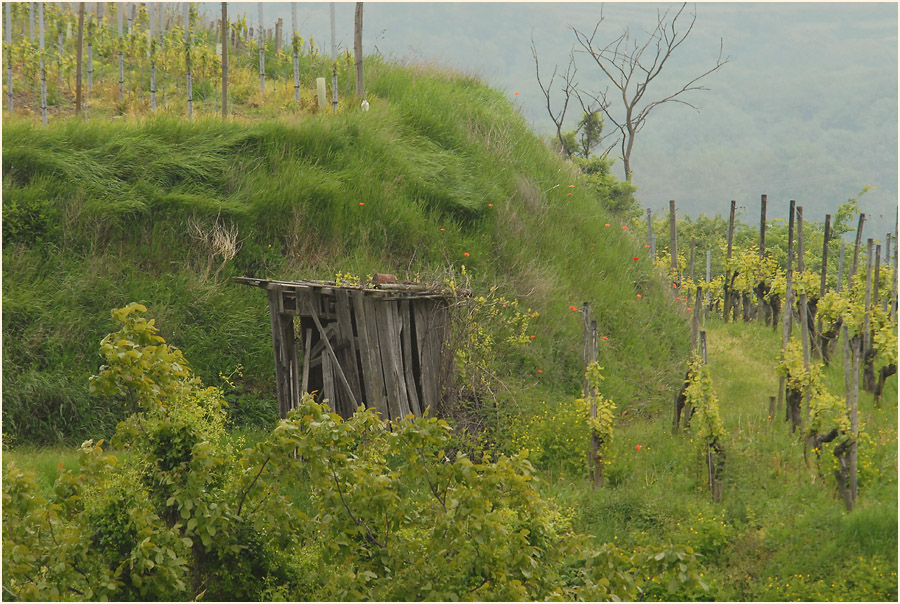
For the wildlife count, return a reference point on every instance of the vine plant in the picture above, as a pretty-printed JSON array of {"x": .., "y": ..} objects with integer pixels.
[{"x": 709, "y": 431}]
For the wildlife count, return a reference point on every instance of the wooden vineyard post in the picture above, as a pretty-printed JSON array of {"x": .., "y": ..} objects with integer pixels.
[
  {"x": 187, "y": 59},
  {"x": 869, "y": 334},
  {"x": 40, "y": 7},
  {"x": 9, "y": 70},
  {"x": 715, "y": 456},
  {"x": 893, "y": 301},
  {"x": 788, "y": 303},
  {"x": 796, "y": 421},
  {"x": 761, "y": 286},
  {"x": 728, "y": 276},
  {"x": 886, "y": 297},
  {"x": 334, "y": 81},
  {"x": 358, "y": 50},
  {"x": 153, "y": 9},
  {"x": 865, "y": 338},
  {"x": 840, "y": 276},
  {"x": 120, "y": 16},
  {"x": 279, "y": 25},
  {"x": 695, "y": 322},
  {"x": 693, "y": 245},
  {"x": 650, "y": 228},
  {"x": 78, "y": 59},
  {"x": 294, "y": 46},
  {"x": 673, "y": 241},
  {"x": 820, "y": 337},
  {"x": 596, "y": 458},
  {"x": 708, "y": 276},
  {"x": 586, "y": 353},
  {"x": 262, "y": 54},
  {"x": 763, "y": 201},
  {"x": 851, "y": 383},
  {"x": 225, "y": 29}
]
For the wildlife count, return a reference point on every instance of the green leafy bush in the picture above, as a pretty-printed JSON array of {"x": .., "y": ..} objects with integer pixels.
[{"x": 172, "y": 511}]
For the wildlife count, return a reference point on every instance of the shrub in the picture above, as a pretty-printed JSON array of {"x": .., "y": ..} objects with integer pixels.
[{"x": 393, "y": 516}]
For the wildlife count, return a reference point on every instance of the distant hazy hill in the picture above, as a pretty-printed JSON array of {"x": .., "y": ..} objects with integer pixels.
[{"x": 807, "y": 108}]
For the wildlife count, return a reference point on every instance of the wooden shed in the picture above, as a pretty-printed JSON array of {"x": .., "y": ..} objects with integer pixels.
[{"x": 384, "y": 346}]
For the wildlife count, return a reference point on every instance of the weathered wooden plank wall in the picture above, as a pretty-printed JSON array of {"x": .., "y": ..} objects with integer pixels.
[{"x": 382, "y": 349}]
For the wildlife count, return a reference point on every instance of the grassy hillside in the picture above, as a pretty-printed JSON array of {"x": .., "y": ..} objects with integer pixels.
[{"x": 101, "y": 213}]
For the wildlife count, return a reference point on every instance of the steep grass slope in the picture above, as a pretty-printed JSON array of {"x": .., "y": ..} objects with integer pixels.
[{"x": 97, "y": 214}]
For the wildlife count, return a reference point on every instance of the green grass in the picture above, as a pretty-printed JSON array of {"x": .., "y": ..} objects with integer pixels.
[
  {"x": 780, "y": 532},
  {"x": 99, "y": 213}
]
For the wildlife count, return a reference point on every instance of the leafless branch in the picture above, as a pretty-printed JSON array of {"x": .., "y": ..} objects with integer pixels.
[
  {"x": 568, "y": 88},
  {"x": 630, "y": 67}
]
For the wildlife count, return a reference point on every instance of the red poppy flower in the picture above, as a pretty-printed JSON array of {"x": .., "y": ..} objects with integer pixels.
[
  {"x": 466, "y": 254},
  {"x": 679, "y": 299},
  {"x": 442, "y": 230},
  {"x": 639, "y": 295},
  {"x": 607, "y": 224},
  {"x": 624, "y": 228},
  {"x": 571, "y": 186},
  {"x": 635, "y": 257},
  {"x": 689, "y": 309},
  {"x": 490, "y": 205},
  {"x": 539, "y": 371},
  {"x": 361, "y": 203},
  {"x": 605, "y": 338},
  {"x": 638, "y": 447},
  {"x": 647, "y": 246},
  {"x": 517, "y": 94},
  {"x": 532, "y": 337}
]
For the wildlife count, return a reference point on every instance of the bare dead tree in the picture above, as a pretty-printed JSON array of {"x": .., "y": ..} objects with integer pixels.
[
  {"x": 569, "y": 87},
  {"x": 630, "y": 66}
]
